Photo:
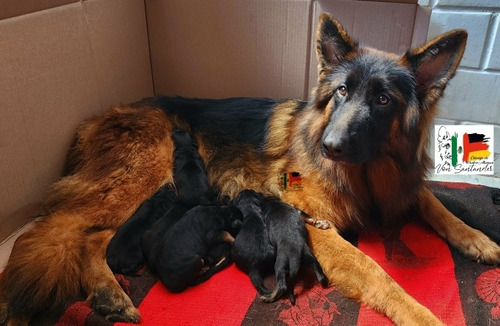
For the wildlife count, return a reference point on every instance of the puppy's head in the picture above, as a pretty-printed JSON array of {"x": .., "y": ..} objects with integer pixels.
[
  {"x": 182, "y": 139},
  {"x": 248, "y": 201},
  {"x": 233, "y": 219}
]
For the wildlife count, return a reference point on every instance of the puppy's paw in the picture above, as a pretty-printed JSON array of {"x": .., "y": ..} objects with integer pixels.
[
  {"x": 227, "y": 237},
  {"x": 278, "y": 293},
  {"x": 281, "y": 289},
  {"x": 322, "y": 224},
  {"x": 128, "y": 268},
  {"x": 322, "y": 279},
  {"x": 114, "y": 305},
  {"x": 319, "y": 224},
  {"x": 121, "y": 263}
]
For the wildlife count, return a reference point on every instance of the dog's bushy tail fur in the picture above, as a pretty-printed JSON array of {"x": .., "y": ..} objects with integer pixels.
[
  {"x": 58, "y": 260},
  {"x": 131, "y": 153}
]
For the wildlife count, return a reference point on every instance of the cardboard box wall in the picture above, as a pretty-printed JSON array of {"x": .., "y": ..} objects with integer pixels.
[
  {"x": 62, "y": 61},
  {"x": 59, "y": 66}
]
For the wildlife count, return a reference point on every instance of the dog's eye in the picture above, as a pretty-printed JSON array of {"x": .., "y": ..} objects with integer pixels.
[
  {"x": 342, "y": 90},
  {"x": 383, "y": 99}
]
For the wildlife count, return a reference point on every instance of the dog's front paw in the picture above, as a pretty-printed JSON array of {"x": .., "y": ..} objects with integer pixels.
[
  {"x": 480, "y": 248},
  {"x": 115, "y": 306}
]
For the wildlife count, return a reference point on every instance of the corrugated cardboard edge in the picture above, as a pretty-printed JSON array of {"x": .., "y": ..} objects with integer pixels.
[{"x": 422, "y": 20}]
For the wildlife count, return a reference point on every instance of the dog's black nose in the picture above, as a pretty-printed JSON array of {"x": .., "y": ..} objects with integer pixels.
[{"x": 333, "y": 151}]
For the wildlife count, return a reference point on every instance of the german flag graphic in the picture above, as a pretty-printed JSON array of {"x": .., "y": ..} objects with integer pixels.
[
  {"x": 475, "y": 147},
  {"x": 290, "y": 178}
]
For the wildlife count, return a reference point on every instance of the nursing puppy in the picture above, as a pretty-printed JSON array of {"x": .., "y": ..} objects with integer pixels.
[
  {"x": 124, "y": 253},
  {"x": 252, "y": 251},
  {"x": 272, "y": 233},
  {"x": 190, "y": 176},
  {"x": 151, "y": 239},
  {"x": 192, "y": 188},
  {"x": 180, "y": 261}
]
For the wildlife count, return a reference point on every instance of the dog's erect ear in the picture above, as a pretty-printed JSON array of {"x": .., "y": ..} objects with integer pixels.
[
  {"x": 435, "y": 63},
  {"x": 333, "y": 43}
]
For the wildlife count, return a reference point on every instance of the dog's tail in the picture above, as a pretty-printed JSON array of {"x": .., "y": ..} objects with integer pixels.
[
  {"x": 56, "y": 277},
  {"x": 121, "y": 158}
]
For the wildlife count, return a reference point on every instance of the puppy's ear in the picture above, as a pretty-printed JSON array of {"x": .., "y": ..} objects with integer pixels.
[
  {"x": 435, "y": 63},
  {"x": 235, "y": 214},
  {"x": 333, "y": 44},
  {"x": 236, "y": 224}
]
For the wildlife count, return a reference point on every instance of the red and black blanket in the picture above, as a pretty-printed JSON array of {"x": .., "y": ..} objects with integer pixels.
[{"x": 457, "y": 290}]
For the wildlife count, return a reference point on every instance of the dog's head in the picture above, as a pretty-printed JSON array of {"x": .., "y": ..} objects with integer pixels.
[{"x": 367, "y": 96}]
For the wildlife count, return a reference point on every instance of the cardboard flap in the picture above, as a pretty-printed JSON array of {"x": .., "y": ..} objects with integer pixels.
[{"x": 13, "y": 8}]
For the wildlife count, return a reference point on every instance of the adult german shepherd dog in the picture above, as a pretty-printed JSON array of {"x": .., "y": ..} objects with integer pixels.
[{"x": 359, "y": 145}]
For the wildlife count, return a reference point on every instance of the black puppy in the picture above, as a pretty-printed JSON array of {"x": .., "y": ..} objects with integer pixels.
[
  {"x": 151, "y": 239},
  {"x": 274, "y": 233},
  {"x": 252, "y": 251},
  {"x": 180, "y": 261},
  {"x": 124, "y": 254},
  {"x": 190, "y": 176},
  {"x": 192, "y": 187}
]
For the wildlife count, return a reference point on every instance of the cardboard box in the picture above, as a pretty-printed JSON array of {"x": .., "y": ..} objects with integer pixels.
[
  {"x": 59, "y": 66},
  {"x": 65, "y": 60},
  {"x": 226, "y": 48}
]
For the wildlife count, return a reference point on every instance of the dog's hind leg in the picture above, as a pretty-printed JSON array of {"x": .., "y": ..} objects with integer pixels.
[
  {"x": 359, "y": 277},
  {"x": 104, "y": 293},
  {"x": 471, "y": 242}
]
